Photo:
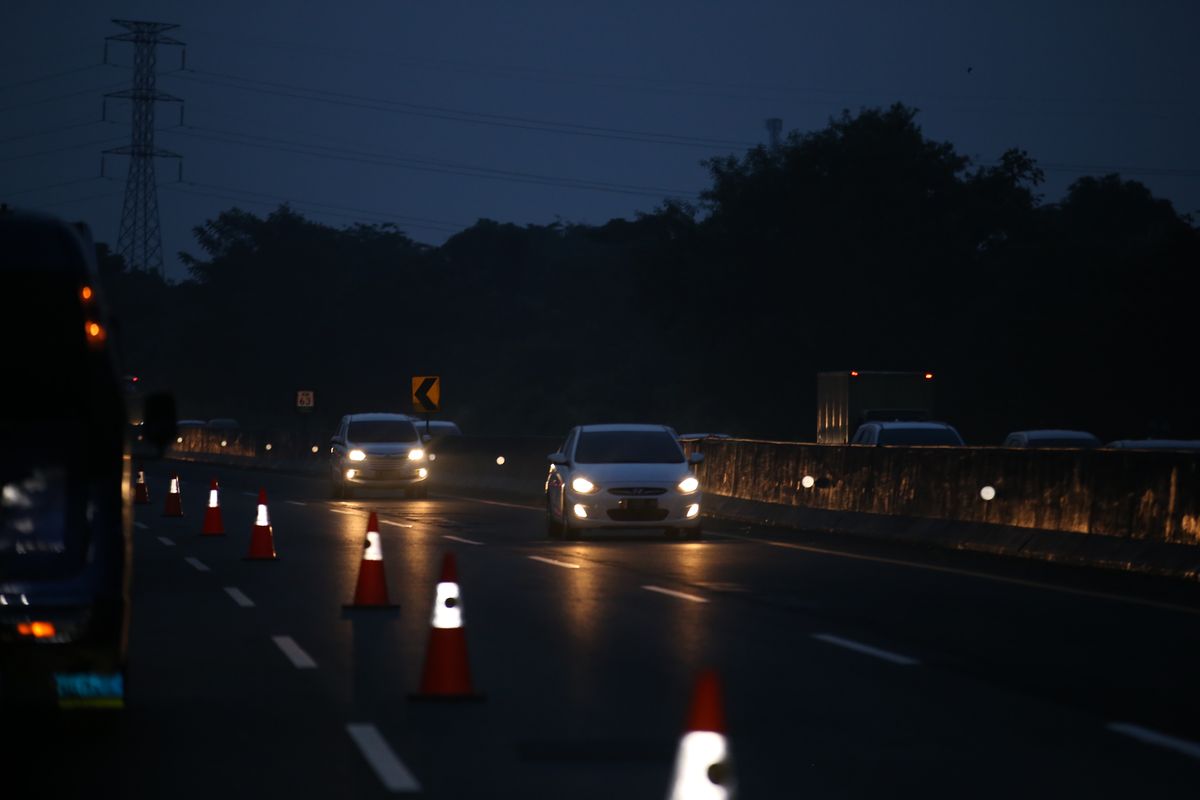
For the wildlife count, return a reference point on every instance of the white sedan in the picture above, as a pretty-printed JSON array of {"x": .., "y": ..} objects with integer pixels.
[{"x": 622, "y": 476}]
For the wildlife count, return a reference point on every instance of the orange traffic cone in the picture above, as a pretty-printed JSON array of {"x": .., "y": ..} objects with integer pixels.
[
  {"x": 371, "y": 590},
  {"x": 703, "y": 766},
  {"x": 262, "y": 538},
  {"x": 213, "y": 525},
  {"x": 174, "y": 505},
  {"x": 141, "y": 492},
  {"x": 447, "y": 674}
]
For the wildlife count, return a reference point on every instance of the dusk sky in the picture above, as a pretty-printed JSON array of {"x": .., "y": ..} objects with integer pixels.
[{"x": 432, "y": 115}]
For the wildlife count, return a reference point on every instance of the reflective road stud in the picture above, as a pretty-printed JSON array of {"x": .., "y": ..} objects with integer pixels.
[
  {"x": 213, "y": 526},
  {"x": 371, "y": 590},
  {"x": 703, "y": 767},
  {"x": 262, "y": 538},
  {"x": 447, "y": 673},
  {"x": 173, "y": 507}
]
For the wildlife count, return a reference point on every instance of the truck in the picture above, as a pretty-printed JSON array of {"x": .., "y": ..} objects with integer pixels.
[{"x": 848, "y": 398}]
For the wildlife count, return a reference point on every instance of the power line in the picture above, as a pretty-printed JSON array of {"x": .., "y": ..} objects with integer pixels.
[
  {"x": 44, "y": 100},
  {"x": 51, "y": 76},
  {"x": 458, "y": 115},
  {"x": 96, "y": 143},
  {"x": 421, "y": 165},
  {"x": 34, "y": 189},
  {"x": 48, "y": 131}
]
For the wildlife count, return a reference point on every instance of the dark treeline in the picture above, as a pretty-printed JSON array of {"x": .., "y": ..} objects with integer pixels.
[{"x": 863, "y": 245}]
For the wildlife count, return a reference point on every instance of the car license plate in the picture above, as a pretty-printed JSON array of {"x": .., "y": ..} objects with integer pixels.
[{"x": 640, "y": 504}]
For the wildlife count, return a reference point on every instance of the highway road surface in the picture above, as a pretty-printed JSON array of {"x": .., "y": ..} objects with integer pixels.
[{"x": 850, "y": 669}]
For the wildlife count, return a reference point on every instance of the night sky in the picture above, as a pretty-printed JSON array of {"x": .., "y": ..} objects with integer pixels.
[{"x": 432, "y": 115}]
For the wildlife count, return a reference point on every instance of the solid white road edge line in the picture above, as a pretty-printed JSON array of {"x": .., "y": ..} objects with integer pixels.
[
  {"x": 552, "y": 561},
  {"x": 394, "y": 523},
  {"x": 197, "y": 563},
  {"x": 299, "y": 658},
  {"x": 295, "y": 502},
  {"x": 239, "y": 597},
  {"x": 459, "y": 539},
  {"x": 1191, "y": 749},
  {"x": 866, "y": 649},
  {"x": 672, "y": 593},
  {"x": 250, "y": 494},
  {"x": 387, "y": 765},
  {"x": 166, "y": 541}
]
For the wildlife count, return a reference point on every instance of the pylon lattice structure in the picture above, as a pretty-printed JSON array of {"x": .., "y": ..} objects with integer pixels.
[{"x": 140, "y": 239}]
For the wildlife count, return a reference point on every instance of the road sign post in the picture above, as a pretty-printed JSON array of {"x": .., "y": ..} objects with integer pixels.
[{"x": 306, "y": 400}]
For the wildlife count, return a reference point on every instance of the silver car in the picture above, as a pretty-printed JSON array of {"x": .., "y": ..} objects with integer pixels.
[
  {"x": 622, "y": 476},
  {"x": 380, "y": 451}
]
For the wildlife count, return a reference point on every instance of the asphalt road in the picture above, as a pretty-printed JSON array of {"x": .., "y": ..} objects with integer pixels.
[{"x": 850, "y": 669}]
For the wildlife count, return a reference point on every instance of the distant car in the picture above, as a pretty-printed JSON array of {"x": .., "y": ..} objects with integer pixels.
[
  {"x": 1055, "y": 439},
  {"x": 377, "y": 451},
  {"x": 1155, "y": 444},
  {"x": 435, "y": 429},
  {"x": 222, "y": 424},
  {"x": 622, "y": 476},
  {"x": 907, "y": 434}
]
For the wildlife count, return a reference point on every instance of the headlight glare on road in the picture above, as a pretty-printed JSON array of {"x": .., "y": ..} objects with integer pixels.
[
  {"x": 357, "y": 455},
  {"x": 689, "y": 484},
  {"x": 583, "y": 486},
  {"x": 416, "y": 454}
]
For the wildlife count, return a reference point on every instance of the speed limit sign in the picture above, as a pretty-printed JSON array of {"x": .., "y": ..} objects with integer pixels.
[{"x": 305, "y": 400}]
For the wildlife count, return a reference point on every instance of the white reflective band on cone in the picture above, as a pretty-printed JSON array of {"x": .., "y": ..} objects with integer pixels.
[
  {"x": 262, "y": 520},
  {"x": 212, "y": 498},
  {"x": 374, "y": 551},
  {"x": 141, "y": 477},
  {"x": 702, "y": 768},
  {"x": 174, "y": 485},
  {"x": 447, "y": 609}
]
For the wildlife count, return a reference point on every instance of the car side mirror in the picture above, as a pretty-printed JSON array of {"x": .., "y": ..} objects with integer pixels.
[
  {"x": 159, "y": 420},
  {"x": 696, "y": 458},
  {"x": 557, "y": 458}
]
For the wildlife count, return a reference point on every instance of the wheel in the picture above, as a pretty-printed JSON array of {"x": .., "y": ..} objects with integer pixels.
[
  {"x": 337, "y": 489},
  {"x": 693, "y": 533},
  {"x": 554, "y": 528},
  {"x": 347, "y": 491},
  {"x": 671, "y": 533}
]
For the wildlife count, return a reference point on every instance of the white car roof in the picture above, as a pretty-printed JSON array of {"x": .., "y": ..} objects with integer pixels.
[
  {"x": 379, "y": 417},
  {"x": 1054, "y": 434},
  {"x": 918, "y": 426},
  {"x": 622, "y": 427}
]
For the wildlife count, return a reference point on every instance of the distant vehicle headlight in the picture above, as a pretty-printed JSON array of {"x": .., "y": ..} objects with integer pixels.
[
  {"x": 357, "y": 455},
  {"x": 688, "y": 484},
  {"x": 583, "y": 486},
  {"x": 416, "y": 454}
]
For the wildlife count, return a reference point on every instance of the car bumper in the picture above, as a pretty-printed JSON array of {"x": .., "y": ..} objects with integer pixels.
[
  {"x": 603, "y": 510},
  {"x": 390, "y": 478}
]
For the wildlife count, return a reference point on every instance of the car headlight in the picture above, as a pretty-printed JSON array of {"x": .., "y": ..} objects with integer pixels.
[
  {"x": 583, "y": 486},
  {"x": 688, "y": 484},
  {"x": 416, "y": 454},
  {"x": 358, "y": 455}
]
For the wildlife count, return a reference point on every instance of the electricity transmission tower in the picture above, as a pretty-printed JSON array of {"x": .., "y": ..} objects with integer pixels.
[{"x": 140, "y": 240}]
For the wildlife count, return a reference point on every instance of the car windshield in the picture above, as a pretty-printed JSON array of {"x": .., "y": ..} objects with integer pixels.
[
  {"x": 904, "y": 436},
  {"x": 381, "y": 430},
  {"x": 628, "y": 447}
]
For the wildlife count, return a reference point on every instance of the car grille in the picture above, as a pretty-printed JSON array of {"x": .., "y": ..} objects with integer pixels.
[
  {"x": 648, "y": 515},
  {"x": 394, "y": 474},
  {"x": 637, "y": 491}
]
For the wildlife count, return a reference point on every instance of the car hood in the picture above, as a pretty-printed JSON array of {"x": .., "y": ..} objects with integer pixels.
[
  {"x": 383, "y": 448},
  {"x": 616, "y": 474}
]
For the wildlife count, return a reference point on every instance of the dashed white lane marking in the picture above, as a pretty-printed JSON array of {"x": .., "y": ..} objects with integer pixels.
[
  {"x": 554, "y": 562},
  {"x": 866, "y": 649},
  {"x": 250, "y": 494},
  {"x": 299, "y": 658},
  {"x": 141, "y": 525},
  {"x": 395, "y": 524},
  {"x": 495, "y": 503},
  {"x": 166, "y": 541},
  {"x": 295, "y": 502},
  {"x": 672, "y": 593},
  {"x": 387, "y": 765},
  {"x": 1190, "y": 749},
  {"x": 459, "y": 539},
  {"x": 239, "y": 597},
  {"x": 197, "y": 563},
  {"x": 343, "y": 511}
]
